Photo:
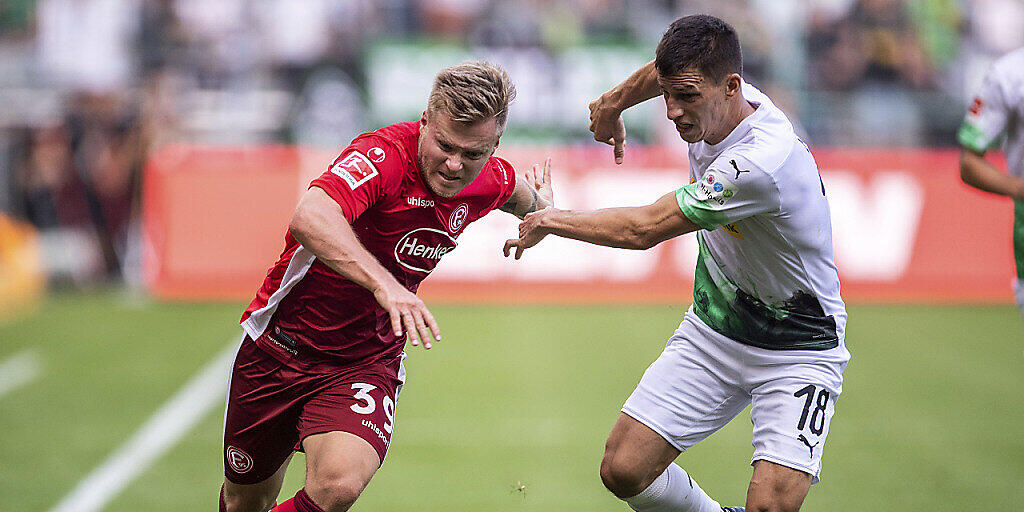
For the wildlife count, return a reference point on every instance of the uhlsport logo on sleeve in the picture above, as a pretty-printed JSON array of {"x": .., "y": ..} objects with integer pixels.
[{"x": 355, "y": 169}]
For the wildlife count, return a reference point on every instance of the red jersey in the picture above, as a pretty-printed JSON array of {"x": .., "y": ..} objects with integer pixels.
[{"x": 309, "y": 316}]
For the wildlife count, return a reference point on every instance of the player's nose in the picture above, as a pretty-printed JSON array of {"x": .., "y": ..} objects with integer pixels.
[
  {"x": 673, "y": 111},
  {"x": 454, "y": 164}
]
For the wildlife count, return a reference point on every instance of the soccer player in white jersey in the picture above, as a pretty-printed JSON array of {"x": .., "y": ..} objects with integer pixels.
[
  {"x": 767, "y": 322},
  {"x": 998, "y": 108}
]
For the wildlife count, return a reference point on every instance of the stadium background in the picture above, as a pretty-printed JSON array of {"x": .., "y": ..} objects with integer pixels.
[{"x": 151, "y": 151}]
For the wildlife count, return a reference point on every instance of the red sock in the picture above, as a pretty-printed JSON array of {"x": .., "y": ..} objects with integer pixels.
[{"x": 300, "y": 503}]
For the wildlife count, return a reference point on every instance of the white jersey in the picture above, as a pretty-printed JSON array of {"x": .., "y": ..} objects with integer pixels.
[
  {"x": 765, "y": 276},
  {"x": 999, "y": 108}
]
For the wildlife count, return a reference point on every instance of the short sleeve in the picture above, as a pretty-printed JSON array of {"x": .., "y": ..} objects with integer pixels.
[
  {"x": 731, "y": 190},
  {"x": 986, "y": 117},
  {"x": 505, "y": 177},
  {"x": 361, "y": 175}
]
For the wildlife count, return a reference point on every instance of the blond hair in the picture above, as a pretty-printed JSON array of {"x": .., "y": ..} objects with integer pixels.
[{"x": 472, "y": 91}]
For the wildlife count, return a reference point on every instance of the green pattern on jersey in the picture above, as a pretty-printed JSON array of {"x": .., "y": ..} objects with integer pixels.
[
  {"x": 699, "y": 210},
  {"x": 798, "y": 323},
  {"x": 973, "y": 138},
  {"x": 1018, "y": 236}
]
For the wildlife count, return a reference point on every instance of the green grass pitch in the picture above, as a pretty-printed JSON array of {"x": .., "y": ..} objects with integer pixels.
[{"x": 931, "y": 417}]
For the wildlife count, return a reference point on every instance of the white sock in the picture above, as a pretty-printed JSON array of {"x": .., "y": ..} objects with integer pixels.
[{"x": 673, "y": 491}]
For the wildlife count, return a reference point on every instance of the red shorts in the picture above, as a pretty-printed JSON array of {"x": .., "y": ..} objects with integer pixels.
[{"x": 273, "y": 407}]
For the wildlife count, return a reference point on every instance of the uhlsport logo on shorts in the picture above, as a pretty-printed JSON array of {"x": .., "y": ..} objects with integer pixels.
[
  {"x": 239, "y": 461},
  {"x": 458, "y": 218},
  {"x": 421, "y": 249}
]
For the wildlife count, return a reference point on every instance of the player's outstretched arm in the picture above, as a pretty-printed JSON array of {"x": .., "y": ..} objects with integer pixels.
[
  {"x": 321, "y": 227},
  {"x": 981, "y": 174},
  {"x": 532, "y": 193},
  {"x": 606, "y": 111},
  {"x": 638, "y": 228}
]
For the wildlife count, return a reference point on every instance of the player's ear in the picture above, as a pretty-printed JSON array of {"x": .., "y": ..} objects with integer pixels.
[
  {"x": 733, "y": 84},
  {"x": 423, "y": 119}
]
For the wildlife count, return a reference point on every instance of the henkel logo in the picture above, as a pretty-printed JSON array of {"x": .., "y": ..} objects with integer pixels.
[
  {"x": 458, "y": 218},
  {"x": 421, "y": 249},
  {"x": 419, "y": 201},
  {"x": 239, "y": 461}
]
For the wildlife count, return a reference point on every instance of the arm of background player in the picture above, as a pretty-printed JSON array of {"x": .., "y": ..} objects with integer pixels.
[
  {"x": 531, "y": 194},
  {"x": 639, "y": 227},
  {"x": 982, "y": 175},
  {"x": 321, "y": 227},
  {"x": 606, "y": 111}
]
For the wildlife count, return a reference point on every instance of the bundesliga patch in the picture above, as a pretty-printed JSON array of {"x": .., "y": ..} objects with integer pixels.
[
  {"x": 715, "y": 188},
  {"x": 355, "y": 169}
]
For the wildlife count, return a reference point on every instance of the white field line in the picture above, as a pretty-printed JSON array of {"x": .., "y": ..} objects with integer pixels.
[
  {"x": 18, "y": 370},
  {"x": 162, "y": 431}
]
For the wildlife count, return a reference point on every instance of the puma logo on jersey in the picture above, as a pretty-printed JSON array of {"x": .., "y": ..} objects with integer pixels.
[
  {"x": 738, "y": 171},
  {"x": 810, "y": 447}
]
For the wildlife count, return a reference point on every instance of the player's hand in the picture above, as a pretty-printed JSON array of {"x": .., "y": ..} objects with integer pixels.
[
  {"x": 409, "y": 315},
  {"x": 531, "y": 232},
  {"x": 606, "y": 123},
  {"x": 540, "y": 180}
]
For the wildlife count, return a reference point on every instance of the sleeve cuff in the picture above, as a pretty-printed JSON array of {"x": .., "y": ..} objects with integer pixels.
[
  {"x": 332, "y": 191},
  {"x": 692, "y": 213},
  {"x": 971, "y": 137}
]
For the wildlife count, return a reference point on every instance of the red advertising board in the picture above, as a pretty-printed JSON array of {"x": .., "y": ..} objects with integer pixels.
[{"x": 905, "y": 228}]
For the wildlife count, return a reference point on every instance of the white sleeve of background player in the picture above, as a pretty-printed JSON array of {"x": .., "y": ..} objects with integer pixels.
[
  {"x": 732, "y": 189},
  {"x": 986, "y": 116}
]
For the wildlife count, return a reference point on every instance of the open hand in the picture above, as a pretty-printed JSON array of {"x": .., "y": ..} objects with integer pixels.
[
  {"x": 409, "y": 315},
  {"x": 540, "y": 181}
]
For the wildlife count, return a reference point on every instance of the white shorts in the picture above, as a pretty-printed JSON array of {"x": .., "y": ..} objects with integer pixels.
[{"x": 703, "y": 379}]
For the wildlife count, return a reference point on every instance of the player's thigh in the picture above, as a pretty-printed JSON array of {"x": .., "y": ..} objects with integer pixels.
[
  {"x": 776, "y": 487},
  {"x": 254, "y": 497},
  {"x": 791, "y": 416},
  {"x": 339, "y": 465},
  {"x": 692, "y": 389},
  {"x": 261, "y": 417}
]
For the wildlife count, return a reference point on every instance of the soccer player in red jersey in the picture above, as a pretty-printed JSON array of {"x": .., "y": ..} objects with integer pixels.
[{"x": 320, "y": 366}]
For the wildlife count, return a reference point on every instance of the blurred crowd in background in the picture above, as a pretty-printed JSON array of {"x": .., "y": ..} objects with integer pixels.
[{"x": 89, "y": 89}]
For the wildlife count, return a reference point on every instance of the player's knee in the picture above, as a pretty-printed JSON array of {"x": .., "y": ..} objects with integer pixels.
[
  {"x": 621, "y": 478},
  {"x": 246, "y": 500},
  {"x": 335, "y": 494},
  {"x": 771, "y": 507},
  {"x": 773, "y": 496}
]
